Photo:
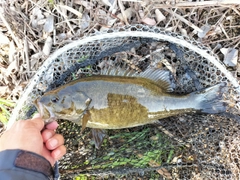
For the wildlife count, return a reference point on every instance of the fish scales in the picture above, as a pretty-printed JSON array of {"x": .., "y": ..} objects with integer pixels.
[
  {"x": 116, "y": 102},
  {"x": 119, "y": 102}
]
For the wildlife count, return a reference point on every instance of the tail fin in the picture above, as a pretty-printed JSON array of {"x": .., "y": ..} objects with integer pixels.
[{"x": 211, "y": 99}]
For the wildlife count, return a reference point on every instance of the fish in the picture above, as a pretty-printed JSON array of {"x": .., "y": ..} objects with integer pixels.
[{"x": 118, "y": 99}]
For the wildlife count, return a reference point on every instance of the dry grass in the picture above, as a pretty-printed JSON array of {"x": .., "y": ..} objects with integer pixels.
[{"x": 32, "y": 30}]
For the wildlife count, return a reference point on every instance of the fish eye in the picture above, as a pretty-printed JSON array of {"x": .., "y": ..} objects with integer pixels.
[{"x": 54, "y": 99}]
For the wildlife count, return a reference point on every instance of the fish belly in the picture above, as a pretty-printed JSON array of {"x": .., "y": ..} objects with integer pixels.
[{"x": 121, "y": 105}]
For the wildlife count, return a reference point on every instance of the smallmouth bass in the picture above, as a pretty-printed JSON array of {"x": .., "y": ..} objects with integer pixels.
[{"x": 125, "y": 99}]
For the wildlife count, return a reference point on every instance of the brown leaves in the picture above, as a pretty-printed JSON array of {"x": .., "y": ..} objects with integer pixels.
[
  {"x": 31, "y": 31},
  {"x": 230, "y": 56}
]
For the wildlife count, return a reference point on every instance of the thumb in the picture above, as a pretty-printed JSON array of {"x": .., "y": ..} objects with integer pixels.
[
  {"x": 37, "y": 115},
  {"x": 38, "y": 122}
]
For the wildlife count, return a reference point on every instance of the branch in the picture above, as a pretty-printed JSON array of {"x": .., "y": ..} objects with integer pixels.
[{"x": 184, "y": 20}]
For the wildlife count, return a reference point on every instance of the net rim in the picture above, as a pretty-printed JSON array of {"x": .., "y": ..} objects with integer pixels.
[{"x": 138, "y": 32}]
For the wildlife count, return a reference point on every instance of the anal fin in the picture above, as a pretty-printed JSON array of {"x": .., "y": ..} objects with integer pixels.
[{"x": 98, "y": 137}]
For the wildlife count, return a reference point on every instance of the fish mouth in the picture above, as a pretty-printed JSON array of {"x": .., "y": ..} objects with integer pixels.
[
  {"x": 40, "y": 108},
  {"x": 45, "y": 113}
]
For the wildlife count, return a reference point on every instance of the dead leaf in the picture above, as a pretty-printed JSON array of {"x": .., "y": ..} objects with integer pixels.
[
  {"x": 111, "y": 21},
  {"x": 205, "y": 29},
  {"x": 230, "y": 56},
  {"x": 175, "y": 160},
  {"x": 108, "y": 2},
  {"x": 149, "y": 21},
  {"x": 49, "y": 24},
  {"x": 183, "y": 32},
  {"x": 47, "y": 46},
  {"x": 214, "y": 31},
  {"x": 128, "y": 14},
  {"x": 85, "y": 21},
  {"x": 61, "y": 36},
  {"x": 36, "y": 17},
  {"x": 144, "y": 3},
  {"x": 165, "y": 173},
  {"x": 141, "y": 14},
  {"x": 170, "y": 67},
  {"x": 159, "y": 16}
]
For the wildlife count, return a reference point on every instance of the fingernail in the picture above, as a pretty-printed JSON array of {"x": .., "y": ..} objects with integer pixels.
[{"x": 53, "y": 143}]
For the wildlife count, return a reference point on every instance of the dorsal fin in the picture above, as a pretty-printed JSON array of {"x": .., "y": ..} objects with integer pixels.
[{"x": 163, "y": 78}]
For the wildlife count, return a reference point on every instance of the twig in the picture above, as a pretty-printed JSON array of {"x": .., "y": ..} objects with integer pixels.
[
  {"x": 197, "y": 4},
  {"x": 26, "y": 50},
  {"x": 77, "y": 13},
  {"x": 234, "y": 43},
  {"x": 170, "y": 20},
  {"x": 12, "y": 51},
  {"x": 172, "y": 136},
  {"x": 184, "y": 20},
  {"x": 41, "y": 7},
  {"x": 223, "y": 30},
  {"x": 219, "y": 22},
  {"x": 65, "y": 17},
  {"x": 122, "y": 11},
  {"x": 238, "y": 42},
  {"x": 235, "y": 10},
  {"x": 19, "y": 45},
  {"x": 26, "y": 54},
  {"x": 222, "y": 40}
]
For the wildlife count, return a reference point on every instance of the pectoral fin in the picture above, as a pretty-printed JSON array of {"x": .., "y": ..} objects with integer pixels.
[
  {"x": 98, "y": 137},
  {"x": 85, "y": 119}
]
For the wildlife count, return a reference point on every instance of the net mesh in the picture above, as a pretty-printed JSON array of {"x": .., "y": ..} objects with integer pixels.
[{"x": 184, "y": 147}]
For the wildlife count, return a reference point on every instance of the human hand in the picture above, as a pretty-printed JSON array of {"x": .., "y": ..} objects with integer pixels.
[{"x": 29, "y": 135}]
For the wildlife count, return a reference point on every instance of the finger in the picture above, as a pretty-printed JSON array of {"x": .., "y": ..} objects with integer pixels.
[
  {"x": 47, "y": 154},
  {"x": 47, "y": 134},
  {"x": 54, "y": 142},
  {"x": 59, "y": 152},
  {"x": 38, "y": 123},
  {"x": 53, "y": 125}
]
